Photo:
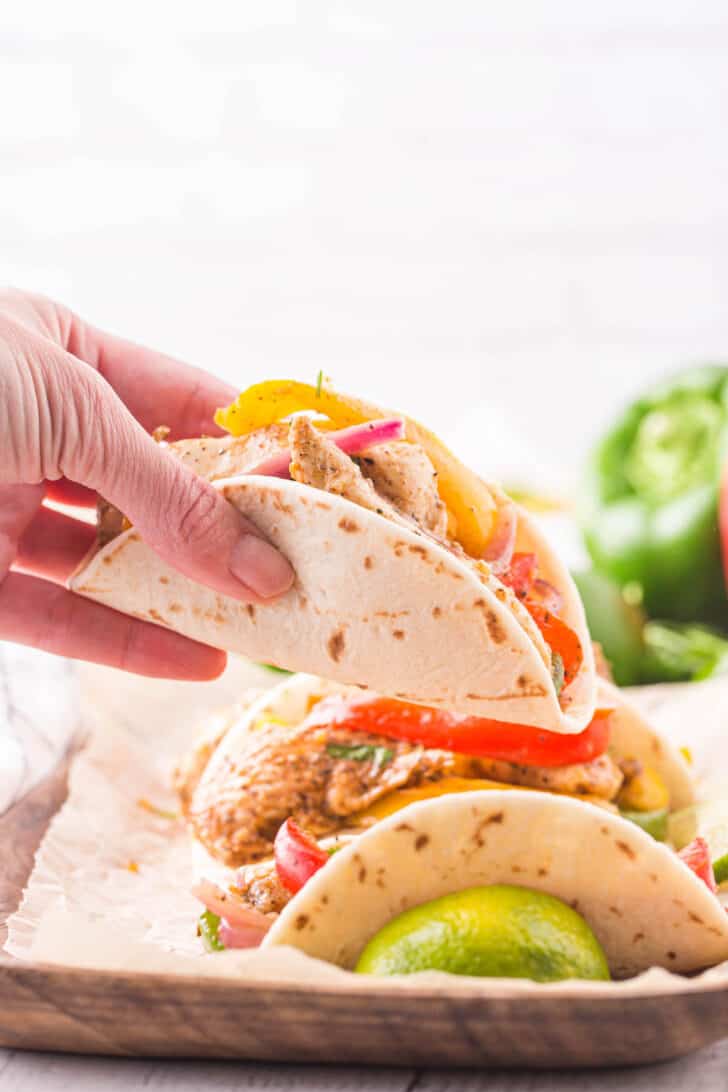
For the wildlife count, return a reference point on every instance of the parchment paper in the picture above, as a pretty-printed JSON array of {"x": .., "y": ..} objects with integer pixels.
[{"x": 110, "y": 887}]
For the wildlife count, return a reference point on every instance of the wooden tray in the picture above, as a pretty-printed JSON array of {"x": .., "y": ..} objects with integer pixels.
[{"x": 47, "y": 1007}]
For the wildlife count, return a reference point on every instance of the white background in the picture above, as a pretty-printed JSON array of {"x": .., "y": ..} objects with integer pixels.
[{"x": 503, "y": 217}]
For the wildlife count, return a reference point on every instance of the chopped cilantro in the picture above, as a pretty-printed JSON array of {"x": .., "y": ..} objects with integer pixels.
[
  {"x": 557, "y": 672},
  {"x": 361, "y": 752},
  {"x": 333, "y": 849},
  {"x": 275, "y": 670},
  {"x": 319, "y": 382},
  {"x": 207, "y": 927}
]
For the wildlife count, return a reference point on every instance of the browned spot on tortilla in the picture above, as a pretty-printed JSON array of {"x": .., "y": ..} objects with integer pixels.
[
  {"x": 637, "y": 937},
  {"x": 368, "y": 562},
  {"x": 477, "y": 697},
  {"x": 436, "y": 612},
  {"x": 671, "y": 955},
  {"x": 516, "y": 869},
  {"x": 656, "y": 746},
  {"x": 323, "y": 506},
  {"x": 627, "y": 850},
  {"x": 495, "y": 818},
  {"x": 421, "y": 841},
  {"x": 495, "y": 629},
  {"x": 417, "y": 549},
  {"x": 250, "y": 611},
  {"x": 301, "y": 921},
  {"x": 155, "y": 615},
  {"x": 456, "y": 575},
  {"x": 335, "y": 645},
  {"x": 604, "y": 830},
  {"x": 220, "y": 618},
  {"x": 574, "y": 904},
  {"x": 107, "y": 561},
  {"x": 696, "y": 918},
  {"x": 349, "y": 525},
  {"x": 653, "y": 877},
  {"x": 362, "y": 874},
  {"x": 502, "y": 594},
  {"x": 324, "y": 900},
  {"x": 440, "y": 567},
  {"x": 164, "y": 580},
  {"x": 615, "y": 910},
  {"x": 398, "y": 634},
  {"x": 175, "y": 608},
  {"x": 403, "y": 826},
  {"x": 280, "y": 505},
  {"x": 543, "y": 871}
]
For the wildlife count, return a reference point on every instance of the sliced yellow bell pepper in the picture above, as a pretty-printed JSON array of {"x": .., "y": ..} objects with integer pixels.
[
  {"x": 468, "y": 499},
  {"x": 400, "y": 798},
  {"x": 644, "y": 792}
]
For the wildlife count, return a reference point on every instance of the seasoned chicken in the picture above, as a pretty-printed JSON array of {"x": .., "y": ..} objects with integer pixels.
[
  {"x": 318, "y": 462},
  {"x": 403, "y": 474},
  {"x": 258, "y": 886},
  {"x": 601, "y": 777},
  {"x": 319, "y": 776}
]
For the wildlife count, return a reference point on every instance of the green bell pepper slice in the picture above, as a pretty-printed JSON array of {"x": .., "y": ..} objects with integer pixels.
[{"x": 650, "y": 501}]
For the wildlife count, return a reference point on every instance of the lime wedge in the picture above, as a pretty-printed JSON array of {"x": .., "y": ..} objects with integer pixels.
[{"x": 708, "y": 820}]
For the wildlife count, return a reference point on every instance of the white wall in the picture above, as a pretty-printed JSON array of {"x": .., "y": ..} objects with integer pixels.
[{"x": 444, "y": 205}]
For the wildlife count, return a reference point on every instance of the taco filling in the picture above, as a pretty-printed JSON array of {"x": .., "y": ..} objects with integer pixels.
[
  {"x": 349, "y": 760},
  {"x": 395, "y": 468}
]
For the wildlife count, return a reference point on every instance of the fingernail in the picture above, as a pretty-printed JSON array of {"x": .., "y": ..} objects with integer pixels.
[{"x": 258, "y": 565}]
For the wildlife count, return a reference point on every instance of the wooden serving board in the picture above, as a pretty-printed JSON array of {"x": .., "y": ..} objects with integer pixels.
[{"x": 48, "y": 1007}]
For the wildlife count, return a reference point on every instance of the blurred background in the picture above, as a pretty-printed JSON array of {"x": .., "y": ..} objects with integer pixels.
[{"x": 505, "y": 218}]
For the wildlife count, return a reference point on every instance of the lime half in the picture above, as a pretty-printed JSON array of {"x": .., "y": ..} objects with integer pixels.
[
  {"x": 708, "y": 820},
  {"x": 488, "y": 932}
]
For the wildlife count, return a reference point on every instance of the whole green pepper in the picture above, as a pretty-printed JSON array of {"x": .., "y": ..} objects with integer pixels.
[{"x": 650, "y": 512}]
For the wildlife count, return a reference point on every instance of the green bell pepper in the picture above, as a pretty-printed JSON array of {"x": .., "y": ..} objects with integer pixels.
[
  {"x": 615, "y": 623},
  {"x": 650, "y": 505}
]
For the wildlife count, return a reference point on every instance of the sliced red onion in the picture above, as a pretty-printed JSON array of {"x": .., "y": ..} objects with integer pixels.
[
  {"x": 549, "y": 596},
  {"x": 351, "y": 441},
  {"x": 499, "y": 551},
  {"x": 241, "y": 936},
  {"x": 235, "y": 913}
]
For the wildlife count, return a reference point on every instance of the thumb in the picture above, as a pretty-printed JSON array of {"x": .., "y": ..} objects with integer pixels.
[{"x": 179, "y": 515}]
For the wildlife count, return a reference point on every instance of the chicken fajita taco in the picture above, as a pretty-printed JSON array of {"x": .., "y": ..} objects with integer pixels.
[
  {"x": 414, "y": 577},
  {"x": 302, "y": 781}
]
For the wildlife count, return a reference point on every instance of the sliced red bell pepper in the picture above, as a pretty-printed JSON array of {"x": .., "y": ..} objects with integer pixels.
[
  {"x": 297, "y": 856},
  {"x": 445, "y": 731},
  {"x": 540, "y": 598},
  {"x": 560, "y": 638},
  {"x": 723, "y": 522},
  {"x": 696, "y": 856}
]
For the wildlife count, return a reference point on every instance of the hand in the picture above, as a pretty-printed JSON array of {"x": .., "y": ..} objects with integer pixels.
[{"x": 76, "y": 410}]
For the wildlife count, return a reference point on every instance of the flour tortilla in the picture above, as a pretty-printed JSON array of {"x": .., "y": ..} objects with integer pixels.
[
  {"x": 632, "y": 737},
  {"x": 645, "y": 906},
  {"x": 374, "y": 604}
]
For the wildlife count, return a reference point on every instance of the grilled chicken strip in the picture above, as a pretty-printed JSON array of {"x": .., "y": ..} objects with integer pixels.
[
  {"x": 404, "y": 475},
  {"x": 310, "y": 774},
  {"x": 323, "y": 777}
]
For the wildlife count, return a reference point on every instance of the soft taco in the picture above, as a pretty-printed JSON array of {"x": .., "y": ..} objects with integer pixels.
[
  {"x": 644, "y": 904},
  {"x": 312, "y": 766},
  {"x": 414, "y": 577}
]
